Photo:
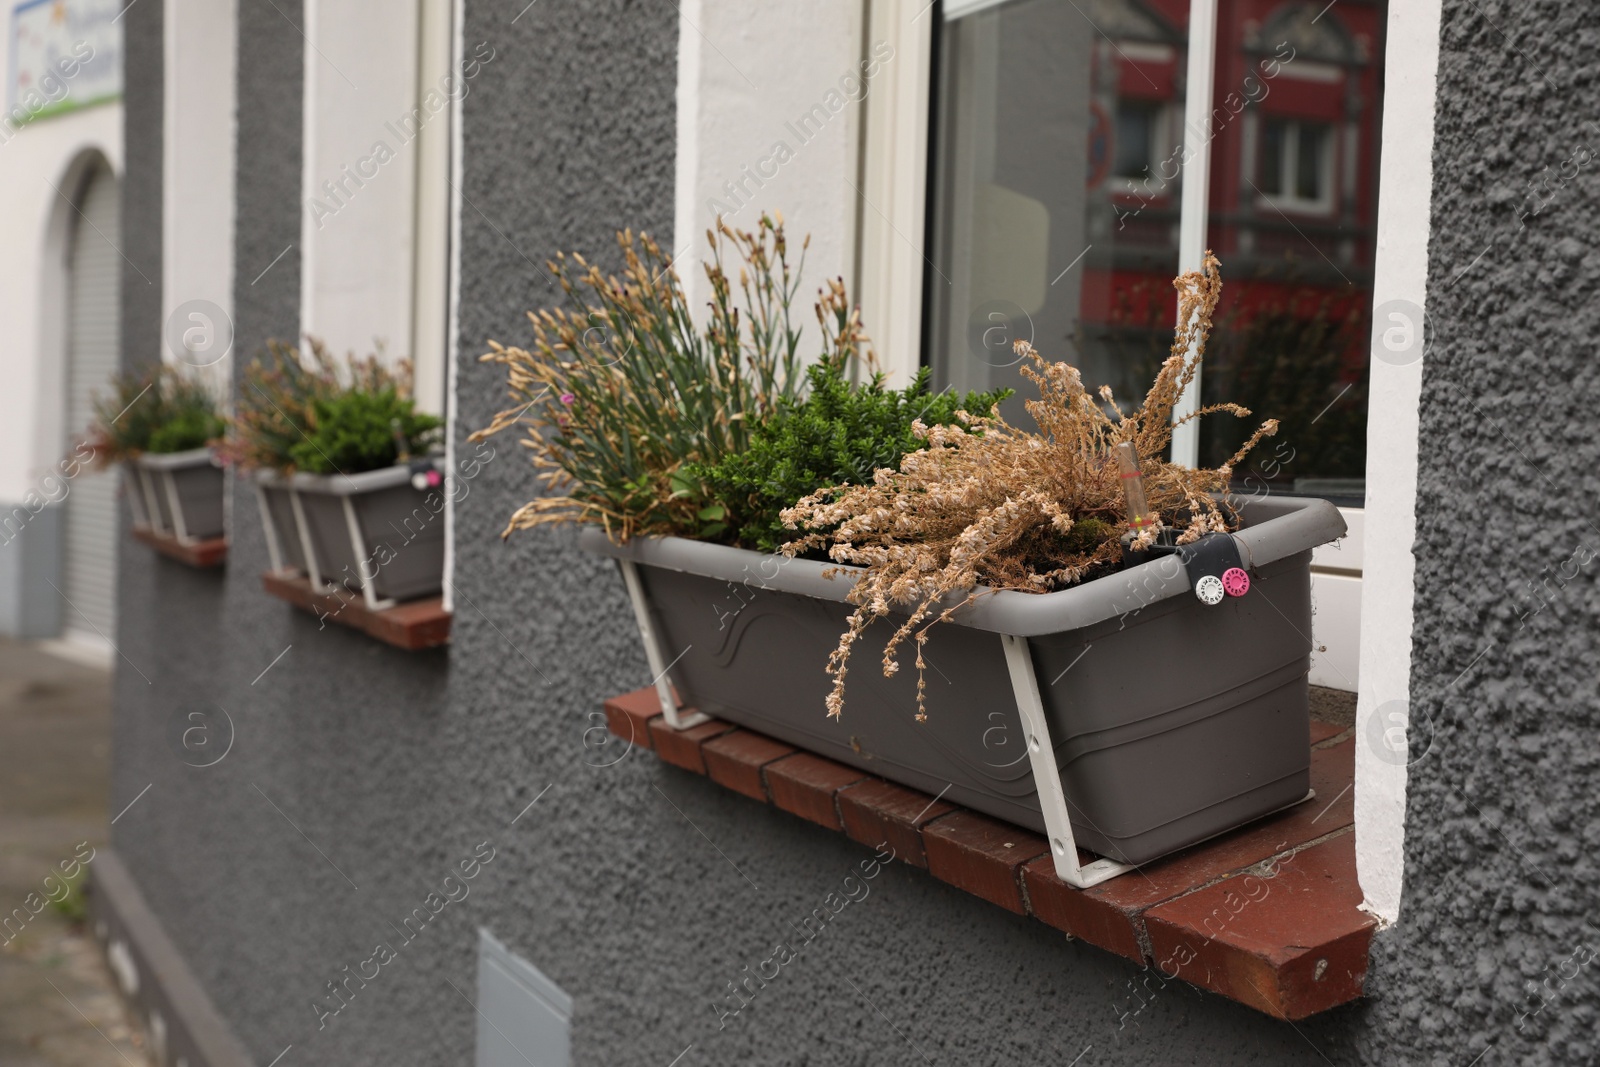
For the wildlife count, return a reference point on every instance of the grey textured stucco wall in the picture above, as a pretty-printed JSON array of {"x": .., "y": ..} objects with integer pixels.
[
  {"x": 1503, "y": 818},
  {"x": 359, "y": 775}
]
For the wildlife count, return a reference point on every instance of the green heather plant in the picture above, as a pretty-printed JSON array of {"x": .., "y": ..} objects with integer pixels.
[
  {"x": 304, "y": 411},
  {"x": 624, "y": 387},
  {"x": 158, "y": 410},
  {"x": 840, "y": 435}
]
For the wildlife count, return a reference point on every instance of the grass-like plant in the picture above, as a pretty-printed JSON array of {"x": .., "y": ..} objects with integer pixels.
[
  {"x": 985, "y": 504},
  {"x": 307, "y": 411},
  {"x": 624, "y": 387},
  {"x": 157, "y": 410}
]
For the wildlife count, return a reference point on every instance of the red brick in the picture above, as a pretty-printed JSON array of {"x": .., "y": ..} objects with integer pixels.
[
  {"x": 681, "y": 748},
  {"x": 413, "y": 626},
  {"x": 628, "y": 716},
  {"x": 199, "y": 554},
  {"x": 735, "y": 760},
  {"x": 877, "y": 812},
  {"x": 804, "y": 785},
  {"x": 981, "y": 855},
  {"x": 1291, "y": 945},
  {"x": 1080, "y": 914}
]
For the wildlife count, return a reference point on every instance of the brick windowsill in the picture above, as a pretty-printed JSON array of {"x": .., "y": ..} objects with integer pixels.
[
  {"x": 1266, "y": 915},
  {"x": 413, "y": 625},
  {"x": 202, "y": 555}
]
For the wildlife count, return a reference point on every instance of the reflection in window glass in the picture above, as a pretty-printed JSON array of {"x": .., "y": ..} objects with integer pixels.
[
  {"x": 1273, "y": 141},
  {"x": 1296, "y": 244},
  {"x": 1310, "y": 149},
  {"x": 1135, "y": 134},
  {"x": 1052, "y": 218},
  {"x": 1054, "y": 210}
]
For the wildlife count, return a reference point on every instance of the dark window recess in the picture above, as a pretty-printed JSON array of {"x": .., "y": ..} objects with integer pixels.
[
  {"x": 1294, "y": 160},
  {"x": 1273, "y": 138},
  {"x": 1136, "y": 128},
  {"x": 1311, "y": 151}
]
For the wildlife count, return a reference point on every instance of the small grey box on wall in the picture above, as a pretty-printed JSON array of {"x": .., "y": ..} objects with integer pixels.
[{"x": 523, "y": 1017}]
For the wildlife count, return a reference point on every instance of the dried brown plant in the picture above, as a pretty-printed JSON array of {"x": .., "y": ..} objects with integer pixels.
[{"x": 987, "y": 505}]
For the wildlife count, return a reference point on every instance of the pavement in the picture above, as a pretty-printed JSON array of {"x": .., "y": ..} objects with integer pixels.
[{"x": 58, "y": 1004}]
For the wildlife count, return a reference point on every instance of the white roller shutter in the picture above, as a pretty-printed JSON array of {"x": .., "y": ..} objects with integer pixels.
[{"x": 89, "y": 559}]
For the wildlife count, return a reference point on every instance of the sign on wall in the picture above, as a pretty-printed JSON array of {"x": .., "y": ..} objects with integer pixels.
[{"x": 63, "y": 55}]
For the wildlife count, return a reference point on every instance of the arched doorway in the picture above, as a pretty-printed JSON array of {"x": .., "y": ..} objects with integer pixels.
[{"x": 93, "y": 335}]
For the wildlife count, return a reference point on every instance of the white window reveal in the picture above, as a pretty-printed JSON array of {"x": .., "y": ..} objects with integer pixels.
[
  {"x": 378, "y": 107},
  {"x": 1297, "y": 165}
]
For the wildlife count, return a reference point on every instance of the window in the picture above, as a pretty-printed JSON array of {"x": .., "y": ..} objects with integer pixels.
[
  {"x": 1058, "y": 210},
  {"x": 1135, "y": 151},
  {"x": 1077, "y": 157},
  {"x": 1296, "y": 159}
]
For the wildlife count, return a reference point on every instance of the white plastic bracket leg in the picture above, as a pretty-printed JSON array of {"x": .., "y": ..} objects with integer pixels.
[
  {"x": 175, "y": 502},
  {"x": 358, "y": 546},
  {"x": 652, "y": 652},
  {"x": 1047, "y": 776},
  {"x": 148, "y": 487},
  {"x": 313, "y": 568},
  {"x": 133, "y": 487},
  {"x": 274, "y": 550}
]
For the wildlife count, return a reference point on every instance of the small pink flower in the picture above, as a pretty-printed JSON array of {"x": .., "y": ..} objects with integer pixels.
[{"x": 567, "y": 399}]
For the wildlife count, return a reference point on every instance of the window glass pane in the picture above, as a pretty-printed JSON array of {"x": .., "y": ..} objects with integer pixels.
[
  {"x": 1308, "y": 167},
  {"x": 1292, "y": 334},
  {"x": 1051, "y": 218},
  {"x": 1055, "y": 196},
  {"x": 1135, "y": 128},
  {"x": 1272, "y": 142}
]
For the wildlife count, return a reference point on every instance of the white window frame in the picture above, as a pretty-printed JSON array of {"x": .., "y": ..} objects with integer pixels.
[
  {"x": 1289, "y": 166},
  {"x": 1366, "y": 579},
  {"x": 1161, "y": 130}
]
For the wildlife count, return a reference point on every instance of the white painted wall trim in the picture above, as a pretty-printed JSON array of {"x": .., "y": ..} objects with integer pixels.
[
  {"x": 1405, "y": 191},
  {"x": 770, "y": 98},
  {"x": 894, "y": 184},
  {"x": 686, "y": 224},
  {"x": 453, "y": 330},
  {"x": 438, "y": 52},
  {"x": 33, "y": 302},
  {"x": 197, "y": 190},
  {"x": 365, "y": 124}
]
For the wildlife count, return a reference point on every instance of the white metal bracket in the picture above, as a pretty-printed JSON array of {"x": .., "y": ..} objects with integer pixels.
[
  {"x": 652, "y": 652},
  {"x": 358, "y": 546},
  {"x": 179, "y": 528},
  {"x": 147, "y": 486},
  {"x": 1047, "y": 775},
  {"x": 274, "y": 549},
  {"x": 313, "y": 569}
]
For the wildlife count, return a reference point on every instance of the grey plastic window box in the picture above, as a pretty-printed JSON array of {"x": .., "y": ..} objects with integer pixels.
[
  {"x": 1165, "y": 721},
  {"x": 178, "y": 494},
  {"x": 372, "y": 531}
]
